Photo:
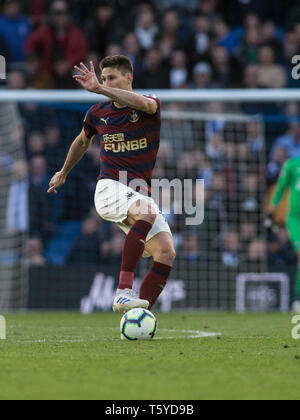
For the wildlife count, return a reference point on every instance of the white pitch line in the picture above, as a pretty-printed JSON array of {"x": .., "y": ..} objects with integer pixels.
[{"x": 188, "y": 334}]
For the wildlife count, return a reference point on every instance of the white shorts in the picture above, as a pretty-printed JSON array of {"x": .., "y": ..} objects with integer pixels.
[{"x": 113, "y": 201}]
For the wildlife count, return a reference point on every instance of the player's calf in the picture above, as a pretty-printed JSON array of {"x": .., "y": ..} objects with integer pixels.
[{"x": 162, "y": 249}]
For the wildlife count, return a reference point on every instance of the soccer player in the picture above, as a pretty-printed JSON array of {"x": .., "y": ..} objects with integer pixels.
[
  {"x": 290, "y": 178},
  {"x": 129, "y": 129}
]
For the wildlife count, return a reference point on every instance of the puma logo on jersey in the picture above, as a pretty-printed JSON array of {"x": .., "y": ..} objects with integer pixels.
[{"x": 104, "y": 120}]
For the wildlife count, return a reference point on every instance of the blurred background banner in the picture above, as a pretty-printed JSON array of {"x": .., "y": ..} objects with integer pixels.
[{"x": 224, "y": 73}]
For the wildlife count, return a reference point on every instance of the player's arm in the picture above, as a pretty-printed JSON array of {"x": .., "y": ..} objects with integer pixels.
[
  {"x": 90, "y": 82},
  {"x": 77, "y": 150},
  {"x": 282, "y": 184}
]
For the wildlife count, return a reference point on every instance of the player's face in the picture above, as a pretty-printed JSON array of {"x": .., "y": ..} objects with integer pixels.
[{"x": 113, "y": 78}]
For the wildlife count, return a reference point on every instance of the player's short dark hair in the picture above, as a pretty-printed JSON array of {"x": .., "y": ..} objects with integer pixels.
[{"x": 119, "y": 62}]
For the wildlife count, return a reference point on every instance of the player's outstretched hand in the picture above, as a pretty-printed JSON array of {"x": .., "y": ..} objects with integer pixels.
[
  {"x": 87, "y": 78},
  {"x": 56, "y": 182}
]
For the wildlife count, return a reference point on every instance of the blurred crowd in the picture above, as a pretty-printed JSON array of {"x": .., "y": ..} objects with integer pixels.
[
  {"x": 172, "y": 43},
  {"x": 229, "y": 156}
]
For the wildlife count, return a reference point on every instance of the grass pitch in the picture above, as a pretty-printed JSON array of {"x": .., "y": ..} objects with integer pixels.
[{"x": 71, "y": 356}]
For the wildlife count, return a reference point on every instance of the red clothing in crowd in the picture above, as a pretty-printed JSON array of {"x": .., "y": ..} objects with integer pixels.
[{"x": 45, "y": 42}]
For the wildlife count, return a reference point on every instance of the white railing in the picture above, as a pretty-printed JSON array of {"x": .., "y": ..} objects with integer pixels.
[{"x": 223, "y": 95}]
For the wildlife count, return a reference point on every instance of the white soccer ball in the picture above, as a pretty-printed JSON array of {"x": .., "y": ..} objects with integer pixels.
[{"x": 138, "y": 324}]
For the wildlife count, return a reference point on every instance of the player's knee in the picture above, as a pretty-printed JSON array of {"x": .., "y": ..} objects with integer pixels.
[
  {"x": 148, "y": 214},
  {"x": 165, "y": 255},
  {"x": 150, "y": 218}
]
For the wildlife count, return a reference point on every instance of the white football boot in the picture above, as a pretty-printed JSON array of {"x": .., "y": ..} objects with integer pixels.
[
  {"x": 296, "y": 307},
  {"x": 126, "y": 299}
]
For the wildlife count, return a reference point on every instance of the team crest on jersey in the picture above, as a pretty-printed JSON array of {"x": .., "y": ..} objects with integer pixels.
[{"x": 134, "y": 117}]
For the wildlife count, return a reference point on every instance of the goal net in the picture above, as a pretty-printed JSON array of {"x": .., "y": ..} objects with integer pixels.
[
  {"x": 14, "y": 210},
  {"x": 56, "y": 253}
]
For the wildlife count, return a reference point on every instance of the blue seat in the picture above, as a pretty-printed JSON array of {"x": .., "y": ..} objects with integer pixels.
[{"x": 57, "y": 249}]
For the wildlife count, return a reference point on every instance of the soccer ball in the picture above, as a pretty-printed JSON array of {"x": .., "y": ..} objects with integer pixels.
[{"x": 138, "y": 324}]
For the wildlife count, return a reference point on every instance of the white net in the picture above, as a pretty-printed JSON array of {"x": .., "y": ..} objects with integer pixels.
[
  {"x": 227, "y": 151},
  {"x": 14, "y": 210},
  {"x": 69, "y": 246}
]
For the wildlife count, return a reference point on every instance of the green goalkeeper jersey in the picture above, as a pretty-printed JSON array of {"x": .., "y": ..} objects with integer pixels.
[{"x": 289, "y": 178}]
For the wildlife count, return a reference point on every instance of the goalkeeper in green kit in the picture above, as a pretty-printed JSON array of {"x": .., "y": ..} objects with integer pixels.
[{"x": 290, "y": 178}]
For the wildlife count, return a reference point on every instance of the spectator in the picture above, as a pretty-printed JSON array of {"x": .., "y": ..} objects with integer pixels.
[
  {"x": 292, "y": 110},
  {"x": 219, "y": 197},
  {"x": 224, "y": 36},
  {"x": 36, "y": 144},
  {"x": 62, "y": 74},
  {"x": 111, "y": 250},
  {"x": 226, "y": 69},
  {"x": 16, "y": 80},
  {"x": 202, "y": 77},
  {"x": 270, "y": 37},
  {"x": 132, "y": 50},
  {"x": 17, "y": 219},
  {"x": 255, "y": 138},
  {"x": 45, "y": 213},
  {"x": 247, "y": 52},
  {"x": 257, "y": 251},
  {"x": 146, "y": 28},
  {"x": 251, "y": 81},
  {"x": 189, "y": 249},
  {"x": 191, "y": 5},
  {"x": 231, "y": 249},
  {"x": 113, "y": 49},
  {"x": 250, "y": 198},
  {"x": 14, "y": 28},
  {"x": 291, "y": 46},
  {"x": 37, "y": 78},
  {"x": 103, "y": 29},
  {"x": 251, "y": 77},
  {"x": 215, "y": 148},
  {"x": 171, "y": 29},
  {"x": 280, "y": 249},
  {"x": 186, "y": 166},
  {"x": 34, "y": 252},
  {"x": 290, "y": 141},
  {"x": 208, "y": 8},
  {"x": 252, "y": 21},
  {"x": 87, "y": 245},
  {"x": 154, "y": 74},
  {"x": 198, "y": 43},
  {"x": 280, "y": 156},
  {"x": 248, "y": 231},
  {"x": 179, "y": 70},
  {"x": 204, "y": 168},
  {"x": 61, "y": 36},
  {"x": 39, "y": 172},
  {"x": 55, "y": 151},
  {"x": 270, "y": 75}
]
